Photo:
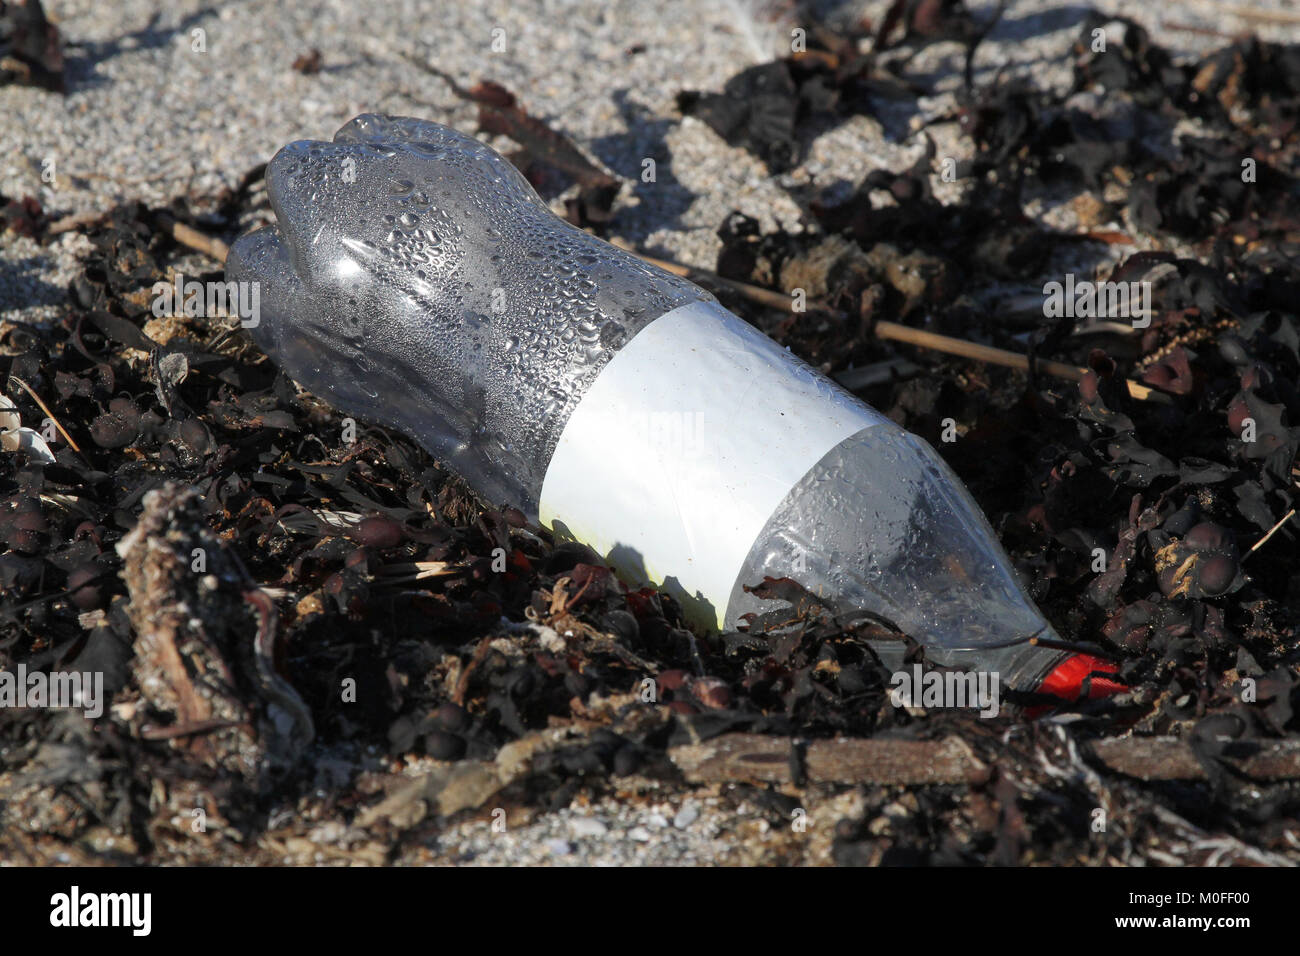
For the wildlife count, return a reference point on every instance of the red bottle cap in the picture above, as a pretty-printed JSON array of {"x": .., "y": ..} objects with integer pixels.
[{"x": 1066, "y": 681}]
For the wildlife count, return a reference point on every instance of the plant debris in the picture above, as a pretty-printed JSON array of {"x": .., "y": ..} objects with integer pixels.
[
  {"x": 307, "y": 626},
  {"x": 31, "y": 50}
]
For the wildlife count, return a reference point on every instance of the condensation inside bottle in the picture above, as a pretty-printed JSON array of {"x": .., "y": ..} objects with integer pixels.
[
  {"x": 882, "y": 525},
  {"x": 415, "y": 278}
]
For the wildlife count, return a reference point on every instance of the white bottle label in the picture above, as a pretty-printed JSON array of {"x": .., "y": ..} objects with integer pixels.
[{"x": 684, "y": 446}]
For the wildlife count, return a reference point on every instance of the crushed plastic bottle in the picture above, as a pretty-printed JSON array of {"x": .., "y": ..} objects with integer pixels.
[{"x": 416, "y": 279}]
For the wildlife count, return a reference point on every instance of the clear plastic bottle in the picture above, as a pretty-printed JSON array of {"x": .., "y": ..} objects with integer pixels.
[{"x": 416, "y": 279}]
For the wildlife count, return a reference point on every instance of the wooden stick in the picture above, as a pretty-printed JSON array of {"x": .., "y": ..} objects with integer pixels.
[
  {"x": 902, "y": 333},
  {"x": 1259, "y": 16},
  {"x": 1199, "y": 31},
  {"x": 190, "y": 237},
  {"x": 773, "y": 300},
  {"x": 1271, "y": 531},
  {"x": 1170, "y": 758},
  {"x": 980, "y": 353},
  {"x": 755, "y": 758},
  {"x": 218, "y": 250},
  {"x": 76, "y": 221},
  {"x": 46, "y": 409}
]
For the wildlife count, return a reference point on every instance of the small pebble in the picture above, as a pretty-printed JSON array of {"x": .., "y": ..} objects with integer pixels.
[{"x": 587, "y": 827}]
